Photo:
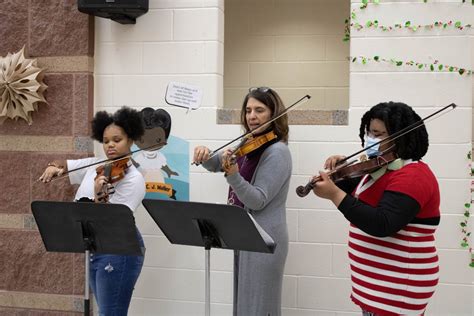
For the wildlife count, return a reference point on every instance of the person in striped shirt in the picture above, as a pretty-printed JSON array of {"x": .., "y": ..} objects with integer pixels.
[{"x": 393, "y": 214}]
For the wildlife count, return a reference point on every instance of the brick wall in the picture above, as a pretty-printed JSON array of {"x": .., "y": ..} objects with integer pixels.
[{"x": 58, "y": 36}]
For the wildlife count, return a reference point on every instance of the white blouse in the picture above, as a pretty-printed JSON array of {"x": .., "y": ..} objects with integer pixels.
[{"x": 129, "y": 191}]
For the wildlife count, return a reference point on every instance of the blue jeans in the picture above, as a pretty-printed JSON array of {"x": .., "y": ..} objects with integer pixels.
[{"x": 112, "y": 279}]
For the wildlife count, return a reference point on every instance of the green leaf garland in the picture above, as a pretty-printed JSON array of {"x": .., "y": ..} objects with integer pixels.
[
  {"x": 464, "y": 224},
  {"x": 365, "y": 3},
  {"x": 435, "y": 66},
  {"x": 408, "y": 25},
  {"x": 374, "y": 24}
]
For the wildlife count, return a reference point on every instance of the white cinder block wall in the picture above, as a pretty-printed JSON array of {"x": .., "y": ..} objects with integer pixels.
[
  {"x": 182, "y": 40},
  {"x": 292, "y": 46}
]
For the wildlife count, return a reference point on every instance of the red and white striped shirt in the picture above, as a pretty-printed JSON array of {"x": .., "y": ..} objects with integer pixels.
[{"x": 397, "y": 275}]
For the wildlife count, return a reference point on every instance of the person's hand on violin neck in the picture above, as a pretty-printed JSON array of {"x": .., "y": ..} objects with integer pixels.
[
  {"x": 100, "y": 188},
  {"x": 326, "y": 189},
  {"x": 201, "y": 154},
  {"x": 229, "y": 164},
  {"x": 53, "y": 169}
]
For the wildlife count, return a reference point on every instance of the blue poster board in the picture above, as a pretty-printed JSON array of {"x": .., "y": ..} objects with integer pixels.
[{"x": 166, "y": 171}]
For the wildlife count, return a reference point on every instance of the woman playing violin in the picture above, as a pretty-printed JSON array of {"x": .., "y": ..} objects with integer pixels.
[
  {"x": 112, "y": 277},
  {"x": 259, "y": 181},
  {"x": 393, "y": 215}
]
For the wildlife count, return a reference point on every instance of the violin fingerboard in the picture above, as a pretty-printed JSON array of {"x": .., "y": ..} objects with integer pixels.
[{"x": 108, "y": 170}]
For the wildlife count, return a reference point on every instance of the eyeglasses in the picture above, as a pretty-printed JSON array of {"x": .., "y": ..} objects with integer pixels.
[{"x": 260, "y": 89}]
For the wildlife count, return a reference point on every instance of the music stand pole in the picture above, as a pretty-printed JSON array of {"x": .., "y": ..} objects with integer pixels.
[
  {"x": 207, "y": 310},
  {"x": 86, "y": 285},
  {"x": 89, "y": 243},
  {"x": 209, "y": 225},
  {"x": 86, "y": 228}
]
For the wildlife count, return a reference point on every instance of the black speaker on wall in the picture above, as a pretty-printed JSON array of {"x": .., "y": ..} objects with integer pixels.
[{"x": 121, "y": 11}]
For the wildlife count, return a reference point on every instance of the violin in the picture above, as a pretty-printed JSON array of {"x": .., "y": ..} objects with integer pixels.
[
  {"x": 114, "y": 172},
  {"x": 350, "y": 171},
  {"x": 244, "y": 137},
  {"x": 251, "y": 144}
]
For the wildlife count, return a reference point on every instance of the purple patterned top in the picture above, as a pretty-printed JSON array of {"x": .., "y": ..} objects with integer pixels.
[
  {"x": 246, "y": 169},
  {"x": 247, "y": 165}
]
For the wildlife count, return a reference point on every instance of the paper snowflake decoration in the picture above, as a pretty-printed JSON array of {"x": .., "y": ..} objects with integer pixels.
[{"x": 21, "y": 87}]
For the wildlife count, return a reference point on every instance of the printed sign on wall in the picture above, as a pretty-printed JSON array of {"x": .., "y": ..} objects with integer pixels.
[
  {"x": 166, "y": 167},
  {"x": 166, "y": 171}
]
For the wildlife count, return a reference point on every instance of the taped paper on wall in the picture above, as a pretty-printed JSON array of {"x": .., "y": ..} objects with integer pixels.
[{"x": 183, "y": 95}]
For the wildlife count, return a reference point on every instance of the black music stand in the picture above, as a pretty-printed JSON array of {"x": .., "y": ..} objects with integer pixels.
[
  {"x": 210, "y": 226},
  {"x": 86, "y": 228}
]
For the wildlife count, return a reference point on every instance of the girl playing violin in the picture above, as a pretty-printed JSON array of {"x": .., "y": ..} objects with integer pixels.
[
  {"x": 259, "y": 182},
  {"x": 112, "y": 277},
  {"x": 393, "y": 214}
]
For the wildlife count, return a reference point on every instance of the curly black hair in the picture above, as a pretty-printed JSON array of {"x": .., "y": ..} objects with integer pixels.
[
  {"x": 396, "y": 116},
  {"x": 156, "y": 118},
  {"x": 127, "y": 118}
]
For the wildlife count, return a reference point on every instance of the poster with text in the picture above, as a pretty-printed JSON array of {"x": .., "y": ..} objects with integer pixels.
[{"x": 166, "y": 170}]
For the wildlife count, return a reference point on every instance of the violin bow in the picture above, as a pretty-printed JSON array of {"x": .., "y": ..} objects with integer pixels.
[
  {"x": 245, "y": 135},
  {"x": 400, "y": 133},
  {"x": 110, "y": 160}
]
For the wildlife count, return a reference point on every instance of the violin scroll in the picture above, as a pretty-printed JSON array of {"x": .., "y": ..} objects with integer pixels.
[{"x": 303, "y": 190}]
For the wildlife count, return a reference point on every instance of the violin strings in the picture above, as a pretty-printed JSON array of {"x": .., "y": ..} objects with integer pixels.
[
  {"x": 300, "y": 101},
  {"x": 310, "y": 185},
  {"x": 330, "y": 172}
]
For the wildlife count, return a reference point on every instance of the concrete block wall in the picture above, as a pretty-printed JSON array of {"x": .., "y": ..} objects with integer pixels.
[
  {"x": 183, "y": 40},
  {"x": 175, "y": 41},
  {"x": 427, "y": 91},
  {"x": 295, "y": 47}
]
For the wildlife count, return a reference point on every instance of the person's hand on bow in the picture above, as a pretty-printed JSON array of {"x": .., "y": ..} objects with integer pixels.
[
  {"x": 201, "y": 154},
  {"x": 325, "y": 188},
  {"x": 52, "y": 170},
  {"x": 332, "y": 161}
]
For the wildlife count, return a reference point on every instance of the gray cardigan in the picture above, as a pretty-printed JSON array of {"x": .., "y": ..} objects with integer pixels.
[{"x": 258, "y": 277}]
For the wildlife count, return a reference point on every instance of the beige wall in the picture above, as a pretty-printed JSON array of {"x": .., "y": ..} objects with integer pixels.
[{"x": 292, "y": 46}]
